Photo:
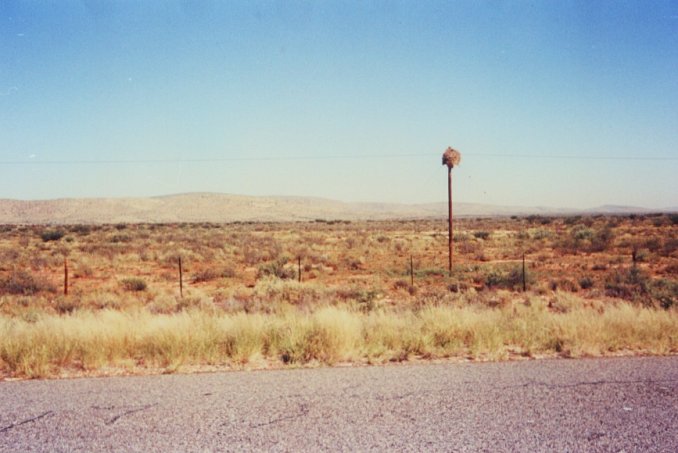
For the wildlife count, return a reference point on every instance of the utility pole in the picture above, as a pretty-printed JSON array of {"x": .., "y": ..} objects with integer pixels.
[{"x": 451, "y": 157}]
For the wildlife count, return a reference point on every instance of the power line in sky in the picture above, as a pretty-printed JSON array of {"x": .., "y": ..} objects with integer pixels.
[{"x": 332, "y": 157}]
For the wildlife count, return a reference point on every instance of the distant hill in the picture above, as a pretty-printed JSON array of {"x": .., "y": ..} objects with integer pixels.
[
  {"x": 214, "y": 207},
  {"x": 616, "y": 209}
]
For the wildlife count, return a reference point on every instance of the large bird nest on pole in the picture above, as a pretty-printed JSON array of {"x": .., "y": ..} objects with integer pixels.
[{"x": 451, "y": 157}]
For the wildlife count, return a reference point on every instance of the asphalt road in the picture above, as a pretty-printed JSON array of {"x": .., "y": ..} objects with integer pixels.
[{"x": 628, "y": 404}]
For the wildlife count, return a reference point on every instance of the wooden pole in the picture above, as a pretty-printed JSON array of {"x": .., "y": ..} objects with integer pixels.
[
  {"x": 411, "y": 271},
  {"x": 299, "y": 267},
  {"x": 65, "y": 277},
  {"x": 449, "y": 202},
  {"x": 181, "y": 279},
  {"x": 524, "y": 278}
]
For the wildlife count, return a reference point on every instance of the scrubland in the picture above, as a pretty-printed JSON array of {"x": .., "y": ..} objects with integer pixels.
[{"x": 258, "y": 295}]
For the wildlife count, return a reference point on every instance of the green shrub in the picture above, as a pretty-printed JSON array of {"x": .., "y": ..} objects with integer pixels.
[
  {"x": 601, "y": 240},
  {"x": 512, "y": 279},
  {"x": 664, "y": 292},
  {"x": 481, "y": 234},
  {"x": 51, "y": 235},
  {"x": 586, "y": 283},
  {"x": 631, "y": 285},
  {"x": 276, "y": 268},
  {"x": 581, "y": 233},
  {"x": 587, "y": 239}
]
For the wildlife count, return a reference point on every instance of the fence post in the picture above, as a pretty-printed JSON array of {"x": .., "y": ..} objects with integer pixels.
[
  {"x": 299, "y": 267},
  {"x": 411, "y": 271},
  {"x": 524, "y": 278},
  {"x": 181, "y": 279},
  {"x": 65, "y": 276}
]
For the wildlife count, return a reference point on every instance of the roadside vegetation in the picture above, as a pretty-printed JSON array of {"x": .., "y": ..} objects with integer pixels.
[{"x": 370, "y": 292}]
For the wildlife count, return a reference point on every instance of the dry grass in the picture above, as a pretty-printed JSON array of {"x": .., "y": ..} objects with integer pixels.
[
  {"x": 136, "y": 340},
  {"x": 243, "y": 306}
]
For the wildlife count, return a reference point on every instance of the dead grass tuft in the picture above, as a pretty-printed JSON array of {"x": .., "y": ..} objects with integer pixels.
[{"x": 86, "y": 340}]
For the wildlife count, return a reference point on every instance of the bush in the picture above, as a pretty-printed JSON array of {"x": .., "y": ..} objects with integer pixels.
[
  {"x": 586, "y": 283},
  {"x": 630, "y": 285},
  {"x": 66, "y": 305},
  {"x": 118, "y": 238},
  {"x": 481, "y": 234},
  {"x": 587, "y": 239},
  {"x": 565, "y": 284},
  {"x": 134, "y": 284},
  {"x": 539, "y": 219},
  {"x": 207, "y": 275},
  {"x": 430, "y": 272},
  {"x": 82, "y": 230},
  {"x": 659, "y": 222},
  {"x": 51, "y": 235},
  {"x": 670, "y": 247},
  {"x": 601, "y": 240},
  {"x": 581, "y": 233},
  {"x": 365, "y": 298},
  {"x": 23, "y": 283},
  {"x": 653, "y": 245},
  {"x": 401, "y": 284},
  {"x": 540, "y": 234},
  {"x": 512, "y": 279},
  {"x": 664, "y": 292},
  {"x": 277, "y": 269},
  {"x": 572, "y": 220}
]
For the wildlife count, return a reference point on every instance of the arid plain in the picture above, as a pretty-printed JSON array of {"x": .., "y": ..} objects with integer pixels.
[{"x": 261, "y": 295}]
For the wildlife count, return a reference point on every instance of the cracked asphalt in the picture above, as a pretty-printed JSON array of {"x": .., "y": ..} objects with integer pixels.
[{"x": 620, "y": 404}]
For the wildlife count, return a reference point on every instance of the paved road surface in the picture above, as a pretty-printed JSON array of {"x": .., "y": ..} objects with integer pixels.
[{"x": 553, "y": 405}]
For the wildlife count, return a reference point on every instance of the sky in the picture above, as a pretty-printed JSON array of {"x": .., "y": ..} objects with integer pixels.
[{"x": 550, "y": 103}]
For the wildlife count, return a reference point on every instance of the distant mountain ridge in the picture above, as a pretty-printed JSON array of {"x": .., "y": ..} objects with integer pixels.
[{"x": 215, "y": 207}]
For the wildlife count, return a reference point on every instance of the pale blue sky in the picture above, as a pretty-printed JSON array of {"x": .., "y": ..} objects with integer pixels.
[{"x": 349, "y": 100}]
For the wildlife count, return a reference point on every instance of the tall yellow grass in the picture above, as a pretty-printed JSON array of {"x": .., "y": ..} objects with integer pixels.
[{"x": 95, "y": 340}]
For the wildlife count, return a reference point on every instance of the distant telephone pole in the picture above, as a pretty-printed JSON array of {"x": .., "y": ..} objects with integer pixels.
[{"x": 451, "y": 157}]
